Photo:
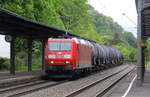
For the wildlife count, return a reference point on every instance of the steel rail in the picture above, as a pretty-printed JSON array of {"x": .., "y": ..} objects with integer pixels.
[
  {"x": 76, "y": 92},
  {"x": 110, "y": 86},
  {"x": 34, "y": 88},
  {"x": 2, "y": 90}
]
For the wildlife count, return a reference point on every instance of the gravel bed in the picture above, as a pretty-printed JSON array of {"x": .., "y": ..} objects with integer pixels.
[{"x": 66, "y": 88}]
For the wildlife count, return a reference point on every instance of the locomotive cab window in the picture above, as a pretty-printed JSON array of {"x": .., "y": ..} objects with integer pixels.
[
  {"x": 60, "y": 46},
  {"x": 65, "y": 46},
  {"x": 54, "y": 46}
]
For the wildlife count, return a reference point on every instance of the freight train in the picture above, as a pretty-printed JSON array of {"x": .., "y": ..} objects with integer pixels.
[{"x": 77, "y": 56}]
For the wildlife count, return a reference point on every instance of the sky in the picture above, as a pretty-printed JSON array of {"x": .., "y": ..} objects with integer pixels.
[
  {"x": 4, "y": 47},
  {"x": 112, "y": 8},
  {"x": 115, "y": 9}
]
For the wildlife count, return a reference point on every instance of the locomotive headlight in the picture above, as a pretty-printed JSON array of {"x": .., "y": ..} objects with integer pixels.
[
  {"x": 67, "y": 62},
  {"x": 67, "y": 56},
  {"x": 52, "y": 62},
  {"x": 51, "y": 56}
]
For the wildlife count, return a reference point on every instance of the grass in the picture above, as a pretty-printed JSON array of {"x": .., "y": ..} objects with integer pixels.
[
  {"x": 4, "y": 70},
  {"x": 23, "y": 68},
  {"x": 36, "y": 66}
]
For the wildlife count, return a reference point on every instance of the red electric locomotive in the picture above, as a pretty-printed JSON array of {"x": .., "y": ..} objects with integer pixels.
[{"x": 66, "y": 56}]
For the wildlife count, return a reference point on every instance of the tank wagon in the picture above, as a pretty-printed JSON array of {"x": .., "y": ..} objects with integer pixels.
[{"x": 77, "y": 56}]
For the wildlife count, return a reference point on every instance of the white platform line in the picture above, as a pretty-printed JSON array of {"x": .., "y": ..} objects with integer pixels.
[{"x": 130, "y": 86}]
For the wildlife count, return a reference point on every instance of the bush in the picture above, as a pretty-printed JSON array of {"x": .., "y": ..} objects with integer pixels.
[{"x": 4, "y": 63}]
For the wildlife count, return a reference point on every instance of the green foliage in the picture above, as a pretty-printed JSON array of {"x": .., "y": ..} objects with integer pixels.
[
  {"x": 20, "y": 45},
  {"x": 104, "y": 25},
  {"x": 71, "y": 12},
  {"x": 147, "y": 50},
  {"x": 4, "y": 63},
  {"x": 129, "y": 52},
  {"x": 36, "y": 66},
  {"x": 36, "y": 49},
  {"x": 133, "y": 53},
  {"x": 129, "y": 37},
  {"x": 45, "y": 12}
]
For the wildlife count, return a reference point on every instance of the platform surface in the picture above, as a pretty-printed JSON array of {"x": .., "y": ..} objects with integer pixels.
[
  {"x": 135, "y": 91},
  {"x": 6, "y": 76}
]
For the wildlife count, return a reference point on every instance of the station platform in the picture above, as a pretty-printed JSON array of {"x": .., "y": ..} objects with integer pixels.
[
  {"x": 6, "y": 79},
  {"x": 125, "y": 88}
]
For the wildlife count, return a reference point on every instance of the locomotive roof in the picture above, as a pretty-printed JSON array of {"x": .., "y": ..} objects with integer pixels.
[{"x": 77, "y": 40}]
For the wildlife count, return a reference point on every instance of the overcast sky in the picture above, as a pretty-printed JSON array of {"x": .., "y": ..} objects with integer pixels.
[
  {"x": 115, "y": 9},
  {"x": 4, "y": 47},
  {"x": 112, "y": 8}
]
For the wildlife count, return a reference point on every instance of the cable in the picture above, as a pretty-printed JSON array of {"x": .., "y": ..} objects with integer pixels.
[{"x": 129, "y": 19}]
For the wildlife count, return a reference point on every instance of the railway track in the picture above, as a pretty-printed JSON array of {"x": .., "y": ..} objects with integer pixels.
[
  {"x": 100, "y": 87},
  {"x": 94, "y": 85},
  {"x": 23, "y": 89}
]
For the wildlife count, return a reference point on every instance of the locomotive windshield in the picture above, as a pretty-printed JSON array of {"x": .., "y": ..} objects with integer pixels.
[{"x": 60, "y": 46}]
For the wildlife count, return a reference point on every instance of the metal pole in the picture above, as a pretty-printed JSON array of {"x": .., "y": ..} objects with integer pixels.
[
  {"x": 12, "y": 56},
  {"x": 29, "y": 54},
  {"x": 43, "y": 54},
  {"x": 141, "y": 59}
]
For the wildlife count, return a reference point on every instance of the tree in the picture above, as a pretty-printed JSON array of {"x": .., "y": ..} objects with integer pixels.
[{"x": 129, "y": 37}]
